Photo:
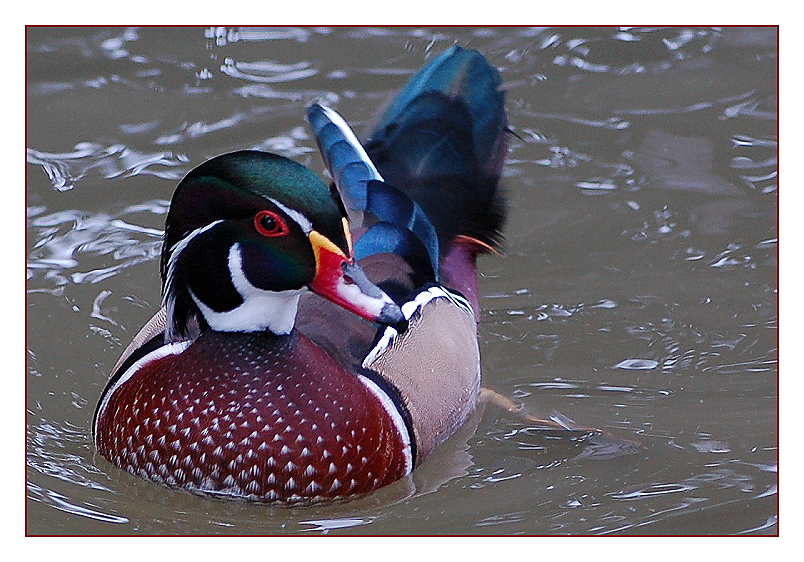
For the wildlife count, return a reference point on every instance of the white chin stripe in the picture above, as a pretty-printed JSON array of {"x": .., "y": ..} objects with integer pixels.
[
  {"x": 169, "y": 349},
  {"x": 408, "y": 310},
  {"x": 399, "y": 423},
  {"x": 261, "y": 310}
]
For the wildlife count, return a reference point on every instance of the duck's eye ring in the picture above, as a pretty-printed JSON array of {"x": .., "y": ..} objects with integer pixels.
[{"x": 269, "y": 223}]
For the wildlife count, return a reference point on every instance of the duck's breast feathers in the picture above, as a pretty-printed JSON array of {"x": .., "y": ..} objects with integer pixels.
[
  {"x": 254, "y": 416},
  {"x": 130, "y": 363}
]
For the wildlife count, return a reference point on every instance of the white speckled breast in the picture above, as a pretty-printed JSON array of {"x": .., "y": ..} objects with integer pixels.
[{"x": 255, "y": 416}]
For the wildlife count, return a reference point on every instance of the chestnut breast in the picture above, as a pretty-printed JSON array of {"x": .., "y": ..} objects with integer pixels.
[{"x": 253, "y": 415}]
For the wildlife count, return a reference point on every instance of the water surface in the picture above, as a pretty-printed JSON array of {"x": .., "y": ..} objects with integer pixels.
[{"x": 638, "y": 293}]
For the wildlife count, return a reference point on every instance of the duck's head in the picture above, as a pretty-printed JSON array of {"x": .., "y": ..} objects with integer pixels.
[{"x": 246, "y": 234}]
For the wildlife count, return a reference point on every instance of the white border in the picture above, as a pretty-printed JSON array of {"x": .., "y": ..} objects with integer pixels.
[{"x": 622, "y": 549}]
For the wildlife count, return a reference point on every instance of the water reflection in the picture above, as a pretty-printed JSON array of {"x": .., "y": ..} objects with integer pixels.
[{"x": 626, "y": 50}]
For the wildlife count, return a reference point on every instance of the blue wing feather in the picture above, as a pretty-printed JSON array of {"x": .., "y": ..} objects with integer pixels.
[
  {"x": 432, "y": 164},
  {"x": 456, "y": 74},
  {"x": 363, "y": 190},
  {"x": 392, "y": 206},
  {"x": 385, "y": 237},
  {"x": 347, "y": 162}
]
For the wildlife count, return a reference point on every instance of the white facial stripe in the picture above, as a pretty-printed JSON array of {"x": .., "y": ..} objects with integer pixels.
[
  {"x": 176, "y": 251},
  {"x": 347, "y": 132},
  {"x": 169, "y": 349},
  {"x": 261, "y": 309},
  {"x": 300, "y": 219},
  {"x": 390, "y": 407}
]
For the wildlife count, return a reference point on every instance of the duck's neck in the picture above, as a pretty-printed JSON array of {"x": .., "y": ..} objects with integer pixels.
[
  {"x": 259, "y": 309},
  {"x": 272, "y": 311}
]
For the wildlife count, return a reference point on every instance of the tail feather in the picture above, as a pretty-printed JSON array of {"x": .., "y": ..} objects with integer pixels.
[
  {"x": 442, "y": 141},
  {"x": 456, "y": 74}
]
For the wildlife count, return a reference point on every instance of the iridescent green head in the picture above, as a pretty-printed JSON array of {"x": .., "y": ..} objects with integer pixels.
[{"x": 246, "y": 233}]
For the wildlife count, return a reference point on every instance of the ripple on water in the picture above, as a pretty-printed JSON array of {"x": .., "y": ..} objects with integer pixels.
[
  {"x": 326, "y": 525},
  {"x": 267, "y": 72},
  {"x": 627, "y": 50},
  {"x": 63, "y": 503},
  {"x": 65, "y": 169},
  {"x": 637, "y": 364},
  {"x": 65, "y": 242}
]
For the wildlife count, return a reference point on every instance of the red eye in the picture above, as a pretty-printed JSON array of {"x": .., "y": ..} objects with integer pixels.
[{"x": 269, "y": 223}]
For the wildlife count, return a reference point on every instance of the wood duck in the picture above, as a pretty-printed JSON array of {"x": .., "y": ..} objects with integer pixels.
[{"x": 289, "y": 363}]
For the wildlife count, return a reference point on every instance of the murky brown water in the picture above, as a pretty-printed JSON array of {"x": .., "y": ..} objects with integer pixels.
[{"x": 638, "y": 294}]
